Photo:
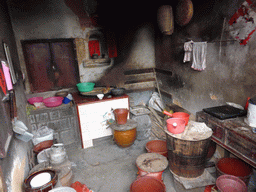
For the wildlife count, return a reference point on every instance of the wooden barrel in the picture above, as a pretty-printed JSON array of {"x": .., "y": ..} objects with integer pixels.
[
  {"x": 187, "y": 158},
  {"x": 124, "y": 135}
]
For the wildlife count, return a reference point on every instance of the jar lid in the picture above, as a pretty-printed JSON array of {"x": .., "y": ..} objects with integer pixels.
[
  {"x": 152, "y": 162},
  {"x": 131, "y": 124}
]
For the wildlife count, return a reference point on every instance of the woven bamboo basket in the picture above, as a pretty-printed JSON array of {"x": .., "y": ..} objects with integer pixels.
[
  {"x": 165, "y": 19},
  {"x": 184, "y": 12}
]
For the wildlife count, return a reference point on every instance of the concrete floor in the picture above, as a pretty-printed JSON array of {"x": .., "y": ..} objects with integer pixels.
[{"x": 105, "y": 167}]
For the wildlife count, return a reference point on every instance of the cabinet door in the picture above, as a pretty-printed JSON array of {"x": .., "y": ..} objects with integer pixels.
[
  {"x": 38, "y": 64},
  {"x": 50, "y": 64},
  {"x": 64, "y": 59},
  {"x": 93, "y": 119}
]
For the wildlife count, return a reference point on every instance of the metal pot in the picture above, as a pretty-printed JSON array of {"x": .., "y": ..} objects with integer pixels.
[
  {"x": 57, "y": 153},
  {"x": 118, "y": 91}
]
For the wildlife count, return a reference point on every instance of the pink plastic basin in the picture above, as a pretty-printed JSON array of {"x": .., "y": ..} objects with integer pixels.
[
  {"x": 228, "y": 183},
  {"x": 35, "y": 100},
  {"x": 53, "y": 101}
]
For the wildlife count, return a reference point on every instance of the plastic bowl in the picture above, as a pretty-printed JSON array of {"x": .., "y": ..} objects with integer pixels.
[
  {"x": 35, "y": 100},
  {"x": 175, "y": 125},
  {"x": 228, "y": 183},
  {"x": 53, "y": 101},
  {"x": 157, "y": 146},
  {"x": 85, "y": 87},
  {"x": 181, "y": 115}
]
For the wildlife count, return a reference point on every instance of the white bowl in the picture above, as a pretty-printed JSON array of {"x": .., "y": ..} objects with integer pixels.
[
  {"x": 63, "y": 189},
  {"x": 40, "y": 180},
  {"x": 100, "y": 96}
]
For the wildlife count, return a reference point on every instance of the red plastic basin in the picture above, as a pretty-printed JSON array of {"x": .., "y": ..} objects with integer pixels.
[
  {"x": 147, "y": 184},
  {"x": 235, "y": 167},
  {"x": 157, "y": 146}
]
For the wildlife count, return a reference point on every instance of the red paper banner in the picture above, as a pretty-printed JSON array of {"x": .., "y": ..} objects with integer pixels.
[
  {"x": 2, "y": 81},
  {"x": 94, "y": 47}
]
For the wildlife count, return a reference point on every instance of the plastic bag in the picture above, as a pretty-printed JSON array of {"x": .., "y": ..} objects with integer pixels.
[
  {"x": 42, "y": 134},
  {"x": 155, "y": 102}
]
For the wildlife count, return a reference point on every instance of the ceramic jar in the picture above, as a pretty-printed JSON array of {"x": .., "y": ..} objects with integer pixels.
[{"x": 124, "y": 135}]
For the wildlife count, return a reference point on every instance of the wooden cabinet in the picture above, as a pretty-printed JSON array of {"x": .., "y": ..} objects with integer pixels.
[
  {"x": 50, "y": 64},
  {"x": 233, "y": 134},
  {"x": 94, "y": 115}
]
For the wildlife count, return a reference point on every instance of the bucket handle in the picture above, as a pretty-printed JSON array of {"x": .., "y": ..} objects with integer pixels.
[{"x": 167, "y": 113}]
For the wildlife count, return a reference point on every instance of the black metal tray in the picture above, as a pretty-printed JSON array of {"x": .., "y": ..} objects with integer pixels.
[{"x": 225, "y": 112}]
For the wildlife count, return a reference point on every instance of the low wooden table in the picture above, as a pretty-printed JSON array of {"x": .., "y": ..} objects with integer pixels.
[{"x": 233, "y": 134}]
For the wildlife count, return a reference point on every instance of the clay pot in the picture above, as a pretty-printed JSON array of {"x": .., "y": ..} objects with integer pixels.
[
  {"x": 121, "y": 115},
  {"x": 43, "y": 145},
  {"x": 157, "y": 146},
  {"x": 124, "y": 135},
  {"x": 125, "y": 138},
  {"x": 44, "y": 188}
]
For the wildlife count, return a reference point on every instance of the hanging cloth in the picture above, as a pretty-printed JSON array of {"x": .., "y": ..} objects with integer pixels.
[
  {"x": 188, "y": 47},
  {"x": 199, "y": 56}
]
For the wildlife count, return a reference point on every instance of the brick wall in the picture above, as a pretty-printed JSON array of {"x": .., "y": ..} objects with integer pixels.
[{"x": 63, "y": 120}]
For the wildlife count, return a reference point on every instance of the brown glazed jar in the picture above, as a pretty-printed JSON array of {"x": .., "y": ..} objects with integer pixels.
[{"x": 124, "y": 135}]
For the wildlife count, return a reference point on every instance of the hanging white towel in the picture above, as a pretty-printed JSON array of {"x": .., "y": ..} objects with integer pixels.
[
  {"x": 199, "y": 55},
  {"x": 188, "y": 46}
]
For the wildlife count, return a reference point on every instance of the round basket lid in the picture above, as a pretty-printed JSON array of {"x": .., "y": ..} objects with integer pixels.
[
  {"x": 131, "y": 124},
  {"x": 152, "y": 162},
  {"x": 184, "y": 12}
]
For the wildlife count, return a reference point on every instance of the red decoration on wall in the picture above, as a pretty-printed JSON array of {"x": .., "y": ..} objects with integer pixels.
[
  {"x": 242, "y": 23},
  {"x": 2, "y": 81},
  {"x": 94, "y": 47}
]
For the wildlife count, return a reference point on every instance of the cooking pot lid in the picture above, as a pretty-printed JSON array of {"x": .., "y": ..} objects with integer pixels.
[
  {"x": 152, "y": 162},
  {"x": 131, "y": 124}
]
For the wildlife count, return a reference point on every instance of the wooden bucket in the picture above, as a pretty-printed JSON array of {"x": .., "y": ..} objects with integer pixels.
[{"x": 187, "y": 158}]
